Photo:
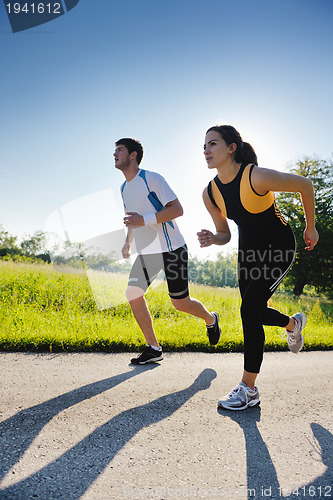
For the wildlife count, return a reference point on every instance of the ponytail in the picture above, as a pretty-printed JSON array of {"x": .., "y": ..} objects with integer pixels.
[
  {"x": 244, "y": 152},
  {"x": 247, "y": 154}
]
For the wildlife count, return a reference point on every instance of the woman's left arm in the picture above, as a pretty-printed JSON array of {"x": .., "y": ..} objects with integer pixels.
[{"x": 264, "y": 180}]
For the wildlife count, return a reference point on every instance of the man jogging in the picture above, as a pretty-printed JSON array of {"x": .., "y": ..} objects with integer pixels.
[{"x": 150, "y": 209}]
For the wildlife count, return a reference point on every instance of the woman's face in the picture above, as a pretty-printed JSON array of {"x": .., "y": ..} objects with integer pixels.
[{"x": 216, "y": 150}]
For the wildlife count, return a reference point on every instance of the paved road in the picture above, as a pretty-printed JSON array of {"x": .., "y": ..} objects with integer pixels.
[{"x": 90, "y": 426}]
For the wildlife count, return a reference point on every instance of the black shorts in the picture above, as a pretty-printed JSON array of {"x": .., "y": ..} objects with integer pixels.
[{"x": 174, "y": 264}]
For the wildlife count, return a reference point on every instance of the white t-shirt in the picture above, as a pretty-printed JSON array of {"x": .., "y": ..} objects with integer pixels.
[{"x": 155, "y": 238}]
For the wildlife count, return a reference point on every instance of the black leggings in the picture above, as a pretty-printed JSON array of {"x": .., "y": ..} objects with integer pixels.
[{"x": 259, "y": 273}]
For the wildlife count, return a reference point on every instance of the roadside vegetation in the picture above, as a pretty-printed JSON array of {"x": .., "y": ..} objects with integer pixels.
[
  {"x": 46, "y": 310},
  {"x": 78, "y": 302}
]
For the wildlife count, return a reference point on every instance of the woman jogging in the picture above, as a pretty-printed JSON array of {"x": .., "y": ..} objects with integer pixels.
[{"x": 244, "y": 192}]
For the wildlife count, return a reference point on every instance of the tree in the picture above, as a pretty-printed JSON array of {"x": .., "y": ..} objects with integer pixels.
[
  {"x": 35, "y": 244},
  {"x": 222, "y": 272},
  {"x": 313, "y": 268},
  {"x": 6, "y": 239},
  {"x": 8, "y": 243}
]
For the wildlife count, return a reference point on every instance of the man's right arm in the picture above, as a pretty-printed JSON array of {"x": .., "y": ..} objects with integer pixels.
[{"x": 127, "y": 245}]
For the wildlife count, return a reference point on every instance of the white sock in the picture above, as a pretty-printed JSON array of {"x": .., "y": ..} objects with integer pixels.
[
  {"x": 208, "y": 326},
  {"x": 155, "y": 348}
]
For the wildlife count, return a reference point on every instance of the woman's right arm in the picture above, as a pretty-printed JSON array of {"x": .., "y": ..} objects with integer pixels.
[{"x": 222, "y": 235}]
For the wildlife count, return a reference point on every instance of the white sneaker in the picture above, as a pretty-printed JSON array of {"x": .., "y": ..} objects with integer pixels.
[
  {"x": 240, "y": 398},
  {"x": 295, "y": 338}
]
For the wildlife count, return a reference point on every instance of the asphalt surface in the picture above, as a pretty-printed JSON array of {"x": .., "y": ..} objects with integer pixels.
[{"x": 91, "y": 426}]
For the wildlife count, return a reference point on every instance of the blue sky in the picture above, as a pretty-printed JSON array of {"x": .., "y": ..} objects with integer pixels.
[{"x": 162, "y": 72}]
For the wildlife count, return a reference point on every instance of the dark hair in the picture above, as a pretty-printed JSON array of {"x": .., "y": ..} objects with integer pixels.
[
  {"x": 132, "y": 145},
  {"x": 244, "y": 152}
]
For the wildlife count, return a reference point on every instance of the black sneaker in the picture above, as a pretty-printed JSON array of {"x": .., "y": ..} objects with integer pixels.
[
  {"x": 149, "y": 355},
  {"x": 214, "y": 332}
]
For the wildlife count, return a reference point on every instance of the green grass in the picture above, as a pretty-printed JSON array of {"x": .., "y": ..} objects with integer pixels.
[{"x": 42, "y": 309}]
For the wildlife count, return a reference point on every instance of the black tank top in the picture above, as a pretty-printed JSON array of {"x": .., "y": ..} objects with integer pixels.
[{"x": 256, "y": 215}]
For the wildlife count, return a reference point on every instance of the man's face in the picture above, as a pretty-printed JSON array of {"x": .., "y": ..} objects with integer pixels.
[{"x": 121, "y": 157}]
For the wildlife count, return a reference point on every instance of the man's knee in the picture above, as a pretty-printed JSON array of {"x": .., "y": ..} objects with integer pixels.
[
  {"x": 133, "y": 293},
  {"x": 181, "y": 304}
]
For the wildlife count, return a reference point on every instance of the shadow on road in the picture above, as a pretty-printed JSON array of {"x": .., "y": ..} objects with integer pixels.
[
  {"x": 262, "y": 480},
  {"x": 18, "y": 431},
  {"x": 71, "y": 474}
]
